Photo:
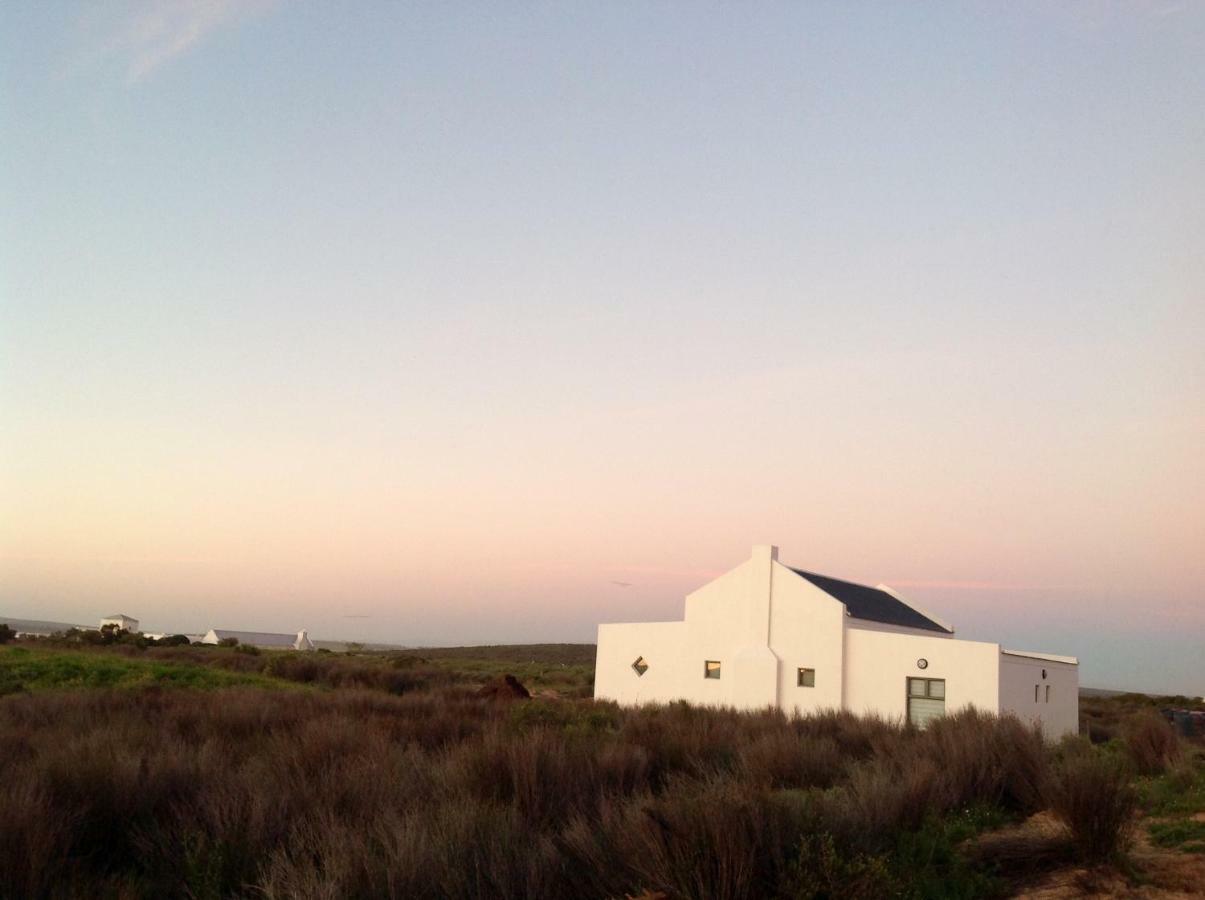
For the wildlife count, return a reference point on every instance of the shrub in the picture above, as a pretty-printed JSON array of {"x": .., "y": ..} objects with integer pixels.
[
  {"x": 877, "y": 800},
  {"x": 715, "y": 838},
  {"x": 1092, "y": 795},
  {"x": 6, "y": 634},
  {"x": 985, "y": 759},
  {"x": 228, "y": 642},
  {"x": 1150, "y": 743},
  {"x": 783, "y": 759},
  {"x": 822, "y": 870}
]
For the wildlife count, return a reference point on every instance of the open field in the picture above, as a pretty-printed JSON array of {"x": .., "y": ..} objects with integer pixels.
[
  {"x": 38, "y": 669},
  {"x": 210, "y": 772}
]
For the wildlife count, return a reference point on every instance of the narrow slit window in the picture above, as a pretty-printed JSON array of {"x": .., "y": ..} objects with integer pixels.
[
  {"x": 640, "y": 666},
  {"x": 711, "y": 668},
  {"x": 1047, "y": 693},
  {"x": 1035, "y": 693},
  {"x": 806, "y": 678}
]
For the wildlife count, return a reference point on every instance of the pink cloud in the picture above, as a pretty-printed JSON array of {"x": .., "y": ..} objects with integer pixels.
[{"x": 976, "y": 585}]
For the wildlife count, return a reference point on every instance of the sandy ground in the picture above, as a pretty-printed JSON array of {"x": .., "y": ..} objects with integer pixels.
[{"x": 1158, "y": 873}]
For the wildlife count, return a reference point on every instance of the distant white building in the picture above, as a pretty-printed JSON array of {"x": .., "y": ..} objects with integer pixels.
[
  {"x": 267, "y": 640},
  {"x": 125, "y": 623},
  {"x": 766, "y": 635}
]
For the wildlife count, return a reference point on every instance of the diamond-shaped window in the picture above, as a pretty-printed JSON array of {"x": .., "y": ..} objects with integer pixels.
[{"x": 640, "y": 666}]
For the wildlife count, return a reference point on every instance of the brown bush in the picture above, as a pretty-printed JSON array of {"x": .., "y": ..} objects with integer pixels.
[
  {"x": 785, "y": 759},
  {"x": 438, "y": 793},
  {"x": 982, "y": 758},
  {"x": 1092, "y": 795},
  {"x": 877, "y": 800},
  {"x": 1150, "y": 743}
]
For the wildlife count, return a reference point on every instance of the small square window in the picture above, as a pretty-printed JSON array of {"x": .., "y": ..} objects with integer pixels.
[
  {"x": 640, "y": 665},
  {"x": 806, "y": 678},
  {"x": 916, "y": 687},
  {"x": 937, "y": 689},
  {"x": 711, "y": 669}
]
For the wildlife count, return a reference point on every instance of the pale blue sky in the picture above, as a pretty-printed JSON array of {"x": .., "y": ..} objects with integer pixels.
[{"x": 450, "y": 315}]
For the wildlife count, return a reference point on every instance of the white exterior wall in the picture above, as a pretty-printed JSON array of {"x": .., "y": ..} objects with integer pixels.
[
  {"x": 806, "y": 632},
  {"x": 878, "y": 664},
  {"x": 727, "y": 620},
  {"x": 1019, "y": 675},
  {"x": 123, "y": 622},
  {"x": 660, "y": 643}
]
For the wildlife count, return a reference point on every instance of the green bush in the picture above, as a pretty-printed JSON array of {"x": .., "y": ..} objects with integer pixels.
[{"x": 1187, "y": 834}]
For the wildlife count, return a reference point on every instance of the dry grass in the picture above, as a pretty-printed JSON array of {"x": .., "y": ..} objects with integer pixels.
[
  {"x": 1092, "y": 794},
  {"x": 392, "y": 779},
  {"x": 436, "y": 793},
  {"x": 1150, "y": 743}
]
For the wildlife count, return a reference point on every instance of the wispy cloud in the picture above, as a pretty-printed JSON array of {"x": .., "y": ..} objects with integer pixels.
[
  {"x": 976, "y": 585},
  {"x": 151, "y": 33}
]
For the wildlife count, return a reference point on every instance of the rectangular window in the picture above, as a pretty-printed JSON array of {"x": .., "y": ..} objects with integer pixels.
[
  {"x": 711, "y": 669},
  {"x": 1036, "y": 687},
  {"x": 926, "y": 700},
  {"x": 806, "y": 678},
  {"x": 1047, "y": 693}
]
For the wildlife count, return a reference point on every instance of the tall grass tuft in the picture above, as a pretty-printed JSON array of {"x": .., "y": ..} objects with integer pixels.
[
  {"x": 1091, "y": 793},
  {"x": 1150, "y": 743}
]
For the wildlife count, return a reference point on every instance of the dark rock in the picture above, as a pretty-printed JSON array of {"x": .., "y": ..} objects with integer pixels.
[{"x": 504, "y": 687}]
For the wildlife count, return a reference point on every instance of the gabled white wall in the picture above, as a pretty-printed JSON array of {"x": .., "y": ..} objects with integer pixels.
[
  {"x": 728, "y": 620},
  {"x": 806, "y": 631}
]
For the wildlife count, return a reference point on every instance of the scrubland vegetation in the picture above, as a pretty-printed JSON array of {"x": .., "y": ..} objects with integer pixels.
[{"x": 370, "y": 775}]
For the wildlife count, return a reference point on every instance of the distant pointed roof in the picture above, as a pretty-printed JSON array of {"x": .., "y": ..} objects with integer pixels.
[{"x": 872, "y": 604}]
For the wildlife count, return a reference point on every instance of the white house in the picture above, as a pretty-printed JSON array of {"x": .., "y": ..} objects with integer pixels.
[
  {"x": 765, "y": 634},
  {"x": 299, "y": 641},
  {"x": 125, "y": 623}
]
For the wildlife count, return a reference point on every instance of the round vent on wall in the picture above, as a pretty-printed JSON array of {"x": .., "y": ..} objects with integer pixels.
[{"x": 922, "y": 663}]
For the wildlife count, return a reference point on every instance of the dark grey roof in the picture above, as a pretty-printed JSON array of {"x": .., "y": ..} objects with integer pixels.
[{"x": 869, "y": 603}]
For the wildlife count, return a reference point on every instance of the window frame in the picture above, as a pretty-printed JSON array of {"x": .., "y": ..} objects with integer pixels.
[
  {"x": 640, "y": 665},
  {"x": 707, "y": 670},
  {"x": 926, "y": 695},
  {"x": 802, "y": 676}
]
